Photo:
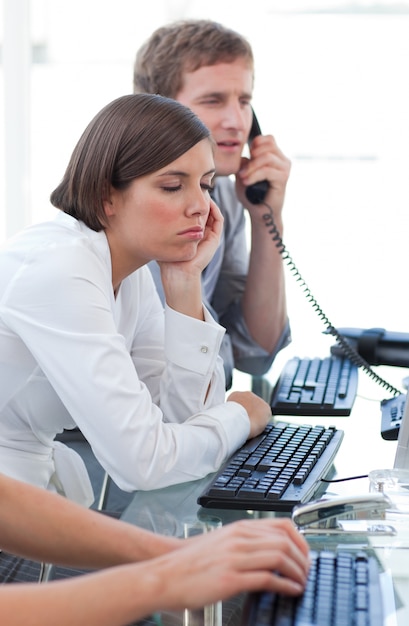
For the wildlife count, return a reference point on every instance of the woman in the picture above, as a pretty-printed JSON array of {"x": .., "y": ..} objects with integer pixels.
[
  {"x": 175, "y": 573},
  {"x": 84, "y": 340}
]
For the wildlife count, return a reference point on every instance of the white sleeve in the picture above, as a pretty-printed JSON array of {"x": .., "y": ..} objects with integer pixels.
[{"x": 64, "y": 315}]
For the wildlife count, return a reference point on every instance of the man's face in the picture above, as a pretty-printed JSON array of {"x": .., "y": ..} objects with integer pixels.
[{"x": 220, "y": 95}]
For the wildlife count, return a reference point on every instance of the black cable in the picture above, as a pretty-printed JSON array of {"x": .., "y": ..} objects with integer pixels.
[
  {"x": 341, "y": 480},
  {"x": 348, "y": 350}
]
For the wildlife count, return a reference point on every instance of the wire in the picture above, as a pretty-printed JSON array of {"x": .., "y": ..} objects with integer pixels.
[
  {"x": 348, "y": 350},
  {"x": 341, "y": 480}
]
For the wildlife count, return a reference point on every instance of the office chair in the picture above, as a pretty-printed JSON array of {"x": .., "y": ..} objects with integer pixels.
[
  {"x": 109, "y": 498},
  {"x": 15, "y": 569}
]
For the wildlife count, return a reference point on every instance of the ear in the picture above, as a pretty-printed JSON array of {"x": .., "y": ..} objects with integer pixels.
[
  {"x": 109, "y": 201},
  {"x": 109, "y": 208}
]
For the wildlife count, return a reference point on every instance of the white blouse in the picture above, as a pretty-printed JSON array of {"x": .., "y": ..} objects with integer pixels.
[{"x": 133, "y": 378}]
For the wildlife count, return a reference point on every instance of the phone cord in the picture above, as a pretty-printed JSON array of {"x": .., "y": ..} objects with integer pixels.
[{"x": 349, "y": 351}]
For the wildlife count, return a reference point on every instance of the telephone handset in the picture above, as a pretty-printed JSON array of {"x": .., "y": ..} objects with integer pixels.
[
  {"x": 256, "y": 194},
  {"x": 341, "y": 513}
]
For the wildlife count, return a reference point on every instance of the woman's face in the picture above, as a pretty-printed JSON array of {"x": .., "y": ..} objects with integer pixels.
[{"x": 162, "y": 216}]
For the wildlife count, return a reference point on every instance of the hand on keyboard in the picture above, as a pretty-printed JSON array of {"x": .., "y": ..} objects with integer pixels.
[
  {"x": 258, "y": 410},
  {"x": 343, "y": 588},
  {"x": 241, "y": 556}
]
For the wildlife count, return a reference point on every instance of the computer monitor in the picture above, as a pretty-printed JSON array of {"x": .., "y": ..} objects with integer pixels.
[{"x": 402, "y": 451}]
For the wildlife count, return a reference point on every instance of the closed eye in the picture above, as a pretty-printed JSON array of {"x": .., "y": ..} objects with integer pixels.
[{"x": 171, "y": 189}]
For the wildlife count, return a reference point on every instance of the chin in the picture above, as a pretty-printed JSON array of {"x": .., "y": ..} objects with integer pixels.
[
  {"x": 187, "y": 255},
  {"x": 225, "y": 165},
  {"x": 227, "y": 169}
]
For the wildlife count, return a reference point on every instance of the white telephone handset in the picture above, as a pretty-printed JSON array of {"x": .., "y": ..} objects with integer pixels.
[{"x": 340, "y": 514}]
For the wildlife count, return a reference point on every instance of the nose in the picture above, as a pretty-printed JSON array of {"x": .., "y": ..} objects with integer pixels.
[
  {"x": 199, "y": 203},
  {"x": 234, "y": 116}
]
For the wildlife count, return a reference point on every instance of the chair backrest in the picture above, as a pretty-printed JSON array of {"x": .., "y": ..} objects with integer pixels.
[{"x": 14, "y": 569}]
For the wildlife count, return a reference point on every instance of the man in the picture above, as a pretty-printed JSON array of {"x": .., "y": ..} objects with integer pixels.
[{"x": 210, "y": 69}]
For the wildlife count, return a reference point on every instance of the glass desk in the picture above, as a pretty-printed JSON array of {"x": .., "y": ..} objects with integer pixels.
[{"x": 171, "y": 510}]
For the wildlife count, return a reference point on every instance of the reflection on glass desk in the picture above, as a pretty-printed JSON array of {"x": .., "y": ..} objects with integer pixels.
[{"x": 362, "y": 450}]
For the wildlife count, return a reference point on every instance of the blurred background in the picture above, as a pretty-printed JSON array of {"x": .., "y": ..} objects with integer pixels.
[{"x": 332, "y": 85}]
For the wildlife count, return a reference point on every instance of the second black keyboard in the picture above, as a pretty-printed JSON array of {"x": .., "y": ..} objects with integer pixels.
[
  {"x": 343, "y": 589},
  {"x": 314, "y": 386},
  {"x": 275, "y": 471}
]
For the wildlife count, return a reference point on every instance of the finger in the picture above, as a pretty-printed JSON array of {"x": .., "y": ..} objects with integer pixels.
[
  {"x": 270, "y": 581},
  {"x": 276, "y": 539},
  {"x": 269, "y": 537},
  {"x": 271, "y": 526},
  {"x": 266, "y": 143},
  {"x": 289, "y": 527},
  {"x": 215, "y": 220},
  {"x": 284, "y": 558},
  {"x": 215, "y": 212},
  {"x": 293, "y": 542},
  {"x": 267, "y": 166}
]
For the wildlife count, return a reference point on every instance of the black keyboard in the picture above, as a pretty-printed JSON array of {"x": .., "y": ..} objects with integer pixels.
[
  {"x": 275, "y": 471},
  {"x": 313, "y": 386},
  {"x": 343, "y": 589}
]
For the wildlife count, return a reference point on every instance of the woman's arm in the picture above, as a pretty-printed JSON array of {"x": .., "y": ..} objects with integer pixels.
[
  {"x": 243, "y": 556},
  {"x": 44, "y": 526}
]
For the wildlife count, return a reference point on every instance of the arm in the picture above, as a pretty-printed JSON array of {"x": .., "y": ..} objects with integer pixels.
[
  {"x": 178, "y": 573},
  {"x": 264, "y": 299},
  {"x": 117, "y": 376},
  {"x": 66, "y": 533},
  {"x": 228, "y": 293}
]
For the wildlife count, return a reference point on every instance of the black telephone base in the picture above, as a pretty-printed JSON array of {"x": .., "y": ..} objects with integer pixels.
[
  {"x": 376, "y": 345},
  {"x": 392, "y": 413}
]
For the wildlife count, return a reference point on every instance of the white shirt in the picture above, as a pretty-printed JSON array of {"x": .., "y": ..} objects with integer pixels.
[{"x": 131, "y": 376}]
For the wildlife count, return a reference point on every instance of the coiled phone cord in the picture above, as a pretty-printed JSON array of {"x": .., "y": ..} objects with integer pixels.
[{"x": 349, "y": 351}]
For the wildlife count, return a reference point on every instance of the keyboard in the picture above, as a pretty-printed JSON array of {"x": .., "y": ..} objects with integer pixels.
[
  {"x": 343, "y": 589},
  {"x": 275, "y": 471},
  {"x": 314, "y": 386}
]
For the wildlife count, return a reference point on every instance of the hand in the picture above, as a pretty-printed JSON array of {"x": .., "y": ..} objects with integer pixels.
[
  {"x": 205, "y": 249},
  {"x": 213, "y": 231},
  {"x": 267, "y": 162},
  {"x": 258, "y": 410},
  {"x": 182, "y": 280},
  {"x": 247, "y": 555}
]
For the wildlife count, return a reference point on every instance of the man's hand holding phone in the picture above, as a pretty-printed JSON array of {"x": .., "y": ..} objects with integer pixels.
[{"x": 267, "y": 162}]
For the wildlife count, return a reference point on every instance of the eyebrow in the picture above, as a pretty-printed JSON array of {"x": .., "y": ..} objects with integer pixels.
[
  {"x": 185, "y": 174},
  {"x": 223, "y": 94}
]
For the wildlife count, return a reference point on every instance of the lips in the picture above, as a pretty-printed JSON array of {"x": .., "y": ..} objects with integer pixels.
[
  {"x": 194, "y": 231},
  {"x": 229, "y": 144}
]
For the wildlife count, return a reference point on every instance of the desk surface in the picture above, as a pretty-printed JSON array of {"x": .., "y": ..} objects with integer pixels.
[{"x": 169, "y": 510}]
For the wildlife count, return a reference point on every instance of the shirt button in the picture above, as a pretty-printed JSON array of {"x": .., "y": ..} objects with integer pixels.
[{"x": 204, "y": 349}]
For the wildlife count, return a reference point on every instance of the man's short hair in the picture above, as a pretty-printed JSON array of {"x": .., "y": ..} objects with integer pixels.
[{"x": 185, "y": 46}]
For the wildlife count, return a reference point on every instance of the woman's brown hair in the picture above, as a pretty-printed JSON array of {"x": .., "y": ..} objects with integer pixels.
[{"x": 132, "y": 136}]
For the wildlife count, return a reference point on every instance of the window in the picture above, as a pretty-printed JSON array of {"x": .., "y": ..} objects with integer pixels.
[{"x": 331, "y": 85}]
